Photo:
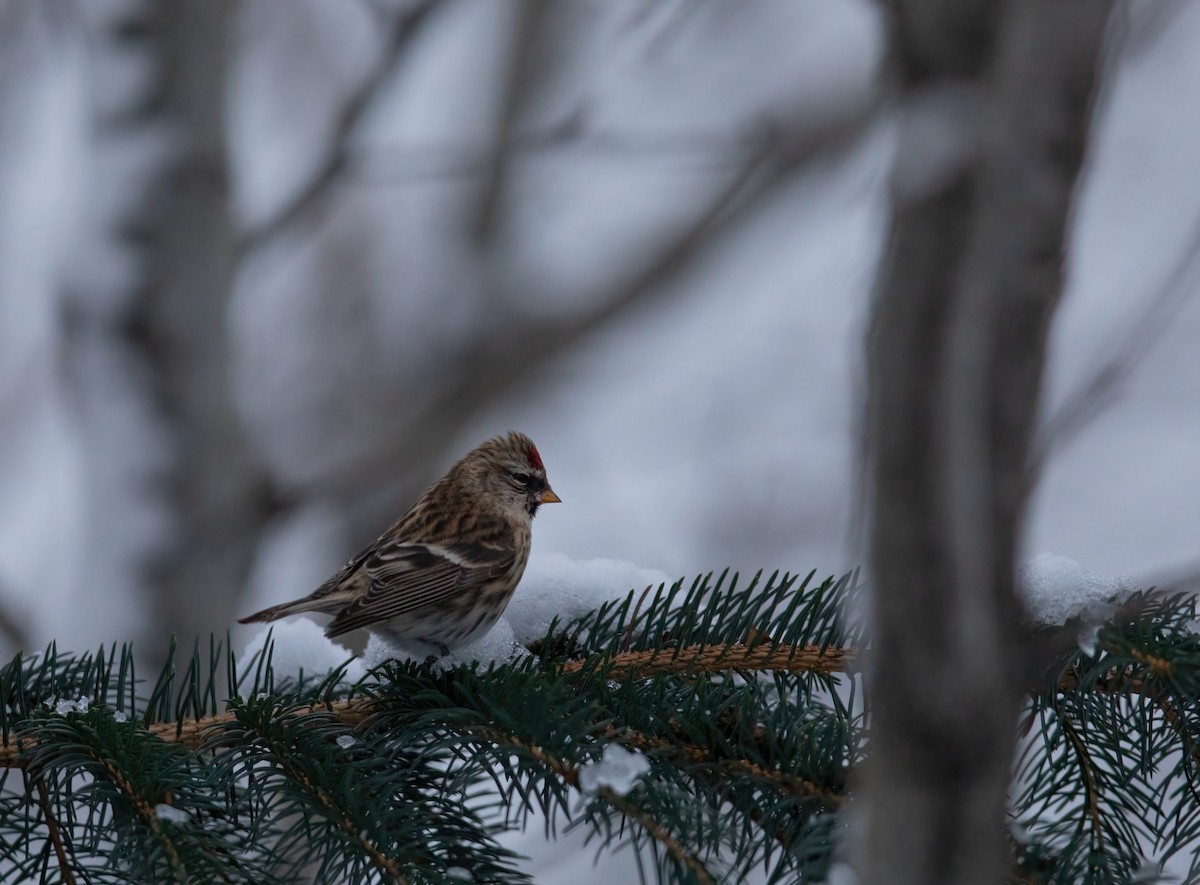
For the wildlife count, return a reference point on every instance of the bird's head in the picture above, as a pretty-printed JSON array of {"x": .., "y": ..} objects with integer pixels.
[{"x": 510, "y": 471}]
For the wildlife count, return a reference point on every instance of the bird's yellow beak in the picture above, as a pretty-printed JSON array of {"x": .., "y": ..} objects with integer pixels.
[{"x": 548, "y": 497}]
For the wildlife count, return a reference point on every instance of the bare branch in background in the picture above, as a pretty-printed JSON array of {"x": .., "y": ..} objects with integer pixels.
[
  {"x": 522, "y": 77},
  {"x": 406, "y": 27},
  {"x": 956, "y": 352},
  {"x": 700, "y": 150},
  {"x": 1102, "y": 388},
  {"x": 491, "y": 367}
]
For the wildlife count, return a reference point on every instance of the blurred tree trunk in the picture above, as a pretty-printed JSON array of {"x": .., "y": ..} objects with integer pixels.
[
  {"x": 956, "y": 349},
  {"x": 217, "y": 487}
]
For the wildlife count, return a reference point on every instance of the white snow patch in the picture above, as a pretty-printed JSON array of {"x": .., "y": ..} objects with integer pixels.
[
  {"x": 63, "y": 706},
  {"x": 1055, "y": 589},
  {"x": 497, "y": 646},
  {"x": 163, "y": 811},
  {"x": 381, "y": 649},
  {"x": 1089, "y": 639},
  {"x": 841, "y": 874},
  {"x": 556, "y": 586},
  {"x": 619, "y": 770},
  {"x": 301, "y": 645},
  {"x": 346, "y": 741}
]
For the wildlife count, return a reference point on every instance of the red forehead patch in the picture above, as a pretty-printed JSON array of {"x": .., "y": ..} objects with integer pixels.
[{"x": 535, "y": 460}]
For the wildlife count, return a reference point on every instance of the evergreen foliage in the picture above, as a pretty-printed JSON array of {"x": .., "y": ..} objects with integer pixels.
[{"x": 737, "y": 695}]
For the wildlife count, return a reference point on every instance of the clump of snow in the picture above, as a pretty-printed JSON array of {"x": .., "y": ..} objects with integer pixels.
[
  {"x": 1089, "y": 639},
  {"x": 618, "y": 769},
  {"x": 300, "y": 645},
  {"x": 166, "y": 812},
  {"x": 841, "y": 874},
  {"x": 1055, "y": 589},
  {"x": 63, "y": 706},
  {"x": 499, "y": 645},
  {"x": 381, "y": 649},
  {"x": 346, "y": 741},
  {"x": 556, "y": 586}
]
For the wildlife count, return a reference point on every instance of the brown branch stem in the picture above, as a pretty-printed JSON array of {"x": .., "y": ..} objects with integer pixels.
[
  {"x": 689, "y": 660},
  {"x": 54, "y": 833}
]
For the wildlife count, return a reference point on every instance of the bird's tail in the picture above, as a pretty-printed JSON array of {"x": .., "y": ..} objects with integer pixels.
[{"x": 279, "y": 611}]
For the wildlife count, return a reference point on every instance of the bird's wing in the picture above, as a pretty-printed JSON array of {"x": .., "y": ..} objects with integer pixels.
[
  {"x": 329, "y": 598},
  {"x": 335, "y": 585},
  {"x": 407, "y": 577}
]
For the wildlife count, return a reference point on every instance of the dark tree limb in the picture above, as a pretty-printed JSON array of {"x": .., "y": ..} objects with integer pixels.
[
  {"x": 218, "y": 490},
  {"x": 956, "y": 350}
]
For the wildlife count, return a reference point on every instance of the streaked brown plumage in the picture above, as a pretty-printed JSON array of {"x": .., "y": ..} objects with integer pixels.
[{"x": 443, "y": 574}]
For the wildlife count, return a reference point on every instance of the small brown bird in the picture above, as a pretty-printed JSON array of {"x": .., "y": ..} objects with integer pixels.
[{"x": 443, "y": 574}]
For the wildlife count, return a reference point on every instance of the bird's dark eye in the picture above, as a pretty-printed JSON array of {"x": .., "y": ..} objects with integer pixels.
[{"x": 523, "y": 479}]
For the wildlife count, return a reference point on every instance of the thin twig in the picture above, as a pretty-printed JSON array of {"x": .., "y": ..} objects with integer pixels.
[
  {"x": 1100, "y": 390},
  {"x": 382, "y": 861},
  {"x": 1087, "y": 769},
  {"x": 734, "y": 656},
  {"x": 55, "y": 834},
  {"x": 693, "y": 150},
  {"x": 516, "y": 93},
  {"x": 407, "y": 26},
  {"x": 696, "y": 755},
  {"x": 570, "y": 776}
]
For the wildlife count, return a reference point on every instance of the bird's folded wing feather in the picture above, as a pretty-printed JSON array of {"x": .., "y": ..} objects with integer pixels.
[{"x": 408, "y": 577}]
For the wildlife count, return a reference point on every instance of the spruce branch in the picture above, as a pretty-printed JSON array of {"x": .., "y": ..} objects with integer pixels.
[
  {"x": 691, "y": 754},
  {"x": 693, "y": 660},
  {"x": 734, "y": 693},
  {"x": 570, "y": 776}
]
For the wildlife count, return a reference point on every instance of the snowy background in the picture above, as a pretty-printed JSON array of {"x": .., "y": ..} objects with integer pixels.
[{"x": 709, "y": 422}]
